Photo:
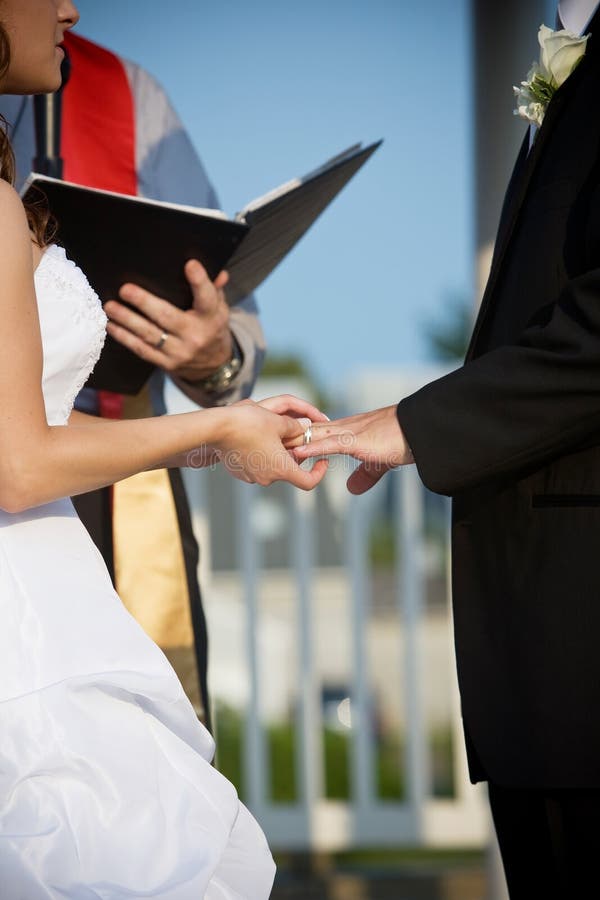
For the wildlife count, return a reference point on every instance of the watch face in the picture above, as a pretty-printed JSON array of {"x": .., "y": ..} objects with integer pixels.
[{"x": 224, "y": 375}]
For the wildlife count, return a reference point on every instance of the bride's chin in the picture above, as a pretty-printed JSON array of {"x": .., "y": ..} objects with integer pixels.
[
  {"x": 49, "y": 79},
  {"x": 50, "y": 84},
  {"x": 46, "y": 84}
]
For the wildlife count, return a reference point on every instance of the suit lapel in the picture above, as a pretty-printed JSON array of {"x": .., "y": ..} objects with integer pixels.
[
  {"x": 524, "y": 169},
  {"x": 511, "y": 192}
]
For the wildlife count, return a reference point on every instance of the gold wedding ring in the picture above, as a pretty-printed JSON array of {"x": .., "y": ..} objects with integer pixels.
[
  {"x": 307, "y": 438},
  {"x": 160, "y": 342}
]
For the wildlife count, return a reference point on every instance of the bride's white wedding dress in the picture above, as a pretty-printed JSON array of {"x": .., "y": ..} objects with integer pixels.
[{"x": 106, "y": 787}]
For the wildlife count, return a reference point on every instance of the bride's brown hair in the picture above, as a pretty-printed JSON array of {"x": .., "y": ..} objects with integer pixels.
[{"x": 41, "y": 223}]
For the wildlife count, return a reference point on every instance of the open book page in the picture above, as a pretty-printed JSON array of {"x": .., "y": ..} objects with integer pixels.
[
  {"x": 278, "y": 220},
  {"x": 294, "y": 183}
]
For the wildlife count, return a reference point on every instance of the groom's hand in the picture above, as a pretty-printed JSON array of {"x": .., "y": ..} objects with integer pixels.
[
  {"x": 192, "y": 343},
  {"x": 374, "y": 438}
]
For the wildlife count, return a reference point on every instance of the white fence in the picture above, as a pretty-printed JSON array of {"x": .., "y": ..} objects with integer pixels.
[{"x": 264, "y": 662}]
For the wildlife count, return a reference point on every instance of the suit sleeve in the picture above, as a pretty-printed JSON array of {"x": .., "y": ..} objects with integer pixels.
[{"x": 517, "y": 407}]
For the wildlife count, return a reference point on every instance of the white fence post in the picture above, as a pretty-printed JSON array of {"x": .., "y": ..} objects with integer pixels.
[
  {"x": 254, "y": 756},
  {"x": 411, "y": 590},
  {"x": 309, "y": 742},
  {"x": 362, "y": 733}
]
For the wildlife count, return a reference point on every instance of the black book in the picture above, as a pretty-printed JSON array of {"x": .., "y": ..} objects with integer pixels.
[{"x": 117, "y": 238}]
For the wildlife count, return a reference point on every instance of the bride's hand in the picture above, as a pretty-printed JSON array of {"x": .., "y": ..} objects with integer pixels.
[
  {"x": 255, "y": 438},
  {"x": 288, "y": 405}
]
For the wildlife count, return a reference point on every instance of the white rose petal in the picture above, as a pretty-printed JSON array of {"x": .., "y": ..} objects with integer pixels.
[
  {"x": 544, "y": 33},
  {"x": 564, "y": 61},
  {"x": 561, "y": 51}
]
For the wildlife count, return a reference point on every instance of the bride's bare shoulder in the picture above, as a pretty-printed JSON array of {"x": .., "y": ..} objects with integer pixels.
[
  {"x": 11, "y": 207},
  {"x": 14, "y": 228},
  {"x": 8, "y": 196}
]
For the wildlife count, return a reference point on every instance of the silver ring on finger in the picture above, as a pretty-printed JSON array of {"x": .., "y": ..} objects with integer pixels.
[
  {"x": 161, "y": 341},
  {"x": 307, "y": 437}
]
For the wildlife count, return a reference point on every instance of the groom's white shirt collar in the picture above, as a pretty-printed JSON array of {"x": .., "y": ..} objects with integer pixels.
[{"x": 576, "y": 14}]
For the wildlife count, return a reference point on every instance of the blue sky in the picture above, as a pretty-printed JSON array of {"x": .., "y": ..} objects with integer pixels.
[{"x": 268, "y": 90}]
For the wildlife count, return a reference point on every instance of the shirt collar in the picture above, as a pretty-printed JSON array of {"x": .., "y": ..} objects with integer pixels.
[{"x": 575, "y": 15}]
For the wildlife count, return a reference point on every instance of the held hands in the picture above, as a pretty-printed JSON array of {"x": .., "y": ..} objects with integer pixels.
[
  {"x": 190, "y": 343},
  {"x": 255, "y": 438},
  {"x": 375, "y": 438}
]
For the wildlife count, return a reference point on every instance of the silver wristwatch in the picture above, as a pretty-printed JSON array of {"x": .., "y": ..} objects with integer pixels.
[{"x": 221, "y": 379}]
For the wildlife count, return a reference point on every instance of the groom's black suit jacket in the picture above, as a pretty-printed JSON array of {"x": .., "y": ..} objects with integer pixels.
[{"x": 514, "y": 437}]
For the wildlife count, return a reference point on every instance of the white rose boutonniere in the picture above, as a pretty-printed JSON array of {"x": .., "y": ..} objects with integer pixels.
[{"x": 560, "y": 53}]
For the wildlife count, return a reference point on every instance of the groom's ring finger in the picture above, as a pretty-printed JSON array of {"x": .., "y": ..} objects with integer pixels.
[
  {"x": 308, "y": 436},
  {"x": 161, "y": 341}
]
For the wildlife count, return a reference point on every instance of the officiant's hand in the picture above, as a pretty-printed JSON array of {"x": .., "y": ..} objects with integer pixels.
[
  {"x": 375, "y": 438},
  {"x": 191, "y": 344}
]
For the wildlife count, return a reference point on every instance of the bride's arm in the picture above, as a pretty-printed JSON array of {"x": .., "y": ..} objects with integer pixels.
[
  {"x": 39, "y": 463},
  {"x": 199, "y": 458}
]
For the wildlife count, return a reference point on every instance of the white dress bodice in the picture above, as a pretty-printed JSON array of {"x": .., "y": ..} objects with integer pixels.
[{"x": 73, "y": 326}]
